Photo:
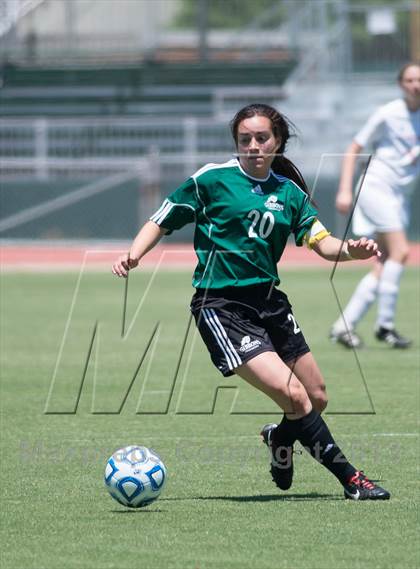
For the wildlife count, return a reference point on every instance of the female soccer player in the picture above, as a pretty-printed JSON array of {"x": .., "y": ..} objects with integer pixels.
[
  {"x": 244, "y": 210},
  {"x": 383, "y": 208}
]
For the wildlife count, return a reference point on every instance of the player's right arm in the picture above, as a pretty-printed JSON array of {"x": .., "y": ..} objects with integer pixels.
[
  {"x": 176, "y": 211},
  {"x": 344, "y": 198},
  {"x": 148, "y": 236}
]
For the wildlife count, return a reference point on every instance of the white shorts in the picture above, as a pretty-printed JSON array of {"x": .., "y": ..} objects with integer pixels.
[{"x": 380, "y": 208}]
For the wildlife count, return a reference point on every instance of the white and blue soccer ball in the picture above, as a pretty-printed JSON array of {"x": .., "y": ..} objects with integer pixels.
[{"x": 135, "y": 476}]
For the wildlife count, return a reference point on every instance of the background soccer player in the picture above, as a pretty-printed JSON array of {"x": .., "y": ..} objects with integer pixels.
[{"x": 383, "y": 207}]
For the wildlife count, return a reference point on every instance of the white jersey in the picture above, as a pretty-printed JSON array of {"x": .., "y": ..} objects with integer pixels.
[{"x": 394, "y": 133}]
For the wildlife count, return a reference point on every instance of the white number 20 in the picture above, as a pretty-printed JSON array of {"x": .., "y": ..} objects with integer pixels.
[
  {"x": 261, "y": 224},
  {"x": 291, "y": 318}
]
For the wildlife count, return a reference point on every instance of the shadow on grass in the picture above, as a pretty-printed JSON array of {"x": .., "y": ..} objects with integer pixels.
[
  {"x": 311, "y": 496},
  {"x": 144, "y": 510}
]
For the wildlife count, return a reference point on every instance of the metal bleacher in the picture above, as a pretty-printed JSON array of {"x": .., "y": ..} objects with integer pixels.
[
  {"x": 150, "y": 89},
  {"x": 77, "y": 122}
]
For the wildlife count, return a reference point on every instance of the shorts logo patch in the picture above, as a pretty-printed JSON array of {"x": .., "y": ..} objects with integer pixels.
[
  {"x": 272, "y": 203},
  {"x": 247, "y": 345}
]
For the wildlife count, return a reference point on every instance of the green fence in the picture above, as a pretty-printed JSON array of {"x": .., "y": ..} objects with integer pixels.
[{"x": 116, "y": 214}]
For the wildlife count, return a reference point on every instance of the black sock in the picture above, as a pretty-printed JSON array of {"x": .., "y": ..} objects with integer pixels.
[
  {"x": 315, "y": 436},
  {"x": 283, "y": 439},
  {"x": 285, "y": 433}
]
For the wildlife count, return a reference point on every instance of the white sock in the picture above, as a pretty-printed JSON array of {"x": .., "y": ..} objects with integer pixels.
[
  {"x": 360, "y": 302},
  {"x": 389, "y": 286}
]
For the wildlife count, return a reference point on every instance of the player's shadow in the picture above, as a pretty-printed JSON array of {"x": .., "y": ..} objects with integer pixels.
[
  {"x": 310, "y": 496},
  {"x": 138, "y": 511}
]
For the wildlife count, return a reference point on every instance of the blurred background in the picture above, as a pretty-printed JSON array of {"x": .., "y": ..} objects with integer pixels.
[{"x": 107, "y": 105}]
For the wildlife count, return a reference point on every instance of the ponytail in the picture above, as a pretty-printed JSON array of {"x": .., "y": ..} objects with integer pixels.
[{"x": 285, "y": 167}]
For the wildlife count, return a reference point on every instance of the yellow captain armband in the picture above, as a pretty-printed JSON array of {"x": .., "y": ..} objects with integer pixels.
[{"x": 316, "y": 233}]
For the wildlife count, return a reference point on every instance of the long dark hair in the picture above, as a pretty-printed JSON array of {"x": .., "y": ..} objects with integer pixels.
[{"x": 283, "y": 129}]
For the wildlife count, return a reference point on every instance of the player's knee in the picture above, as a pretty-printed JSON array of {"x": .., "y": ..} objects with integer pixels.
[
  {"x": 401, "y": 255},
  {"x": 299, "y": 399},
  {"x": 320, "y": 399},
  {"x": 404, "y": 254}
]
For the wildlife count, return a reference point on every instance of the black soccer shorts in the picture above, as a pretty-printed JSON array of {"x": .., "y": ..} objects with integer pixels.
[{"x": 238, "y": 323}]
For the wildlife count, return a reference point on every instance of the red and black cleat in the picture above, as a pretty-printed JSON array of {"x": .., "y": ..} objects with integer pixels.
[{"x": 361, "y": 488}]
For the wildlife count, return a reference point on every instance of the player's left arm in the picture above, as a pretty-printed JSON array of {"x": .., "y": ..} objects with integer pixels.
[{"x": 333, "y": 249}]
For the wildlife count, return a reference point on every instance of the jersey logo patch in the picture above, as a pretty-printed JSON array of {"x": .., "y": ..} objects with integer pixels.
[
  {"x": 273, "y": 203},
  {"x": 247, "y": 344},
  {"x": 257, "y": 190}
]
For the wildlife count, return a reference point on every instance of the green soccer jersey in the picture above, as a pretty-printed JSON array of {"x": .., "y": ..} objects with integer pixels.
[{"x": 241, "y": 223}]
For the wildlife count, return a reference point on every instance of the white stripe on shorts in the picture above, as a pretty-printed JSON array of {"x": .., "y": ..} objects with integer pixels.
[
  {"x": 162, "y": 212},
  {"x": 232, "y": 356}
]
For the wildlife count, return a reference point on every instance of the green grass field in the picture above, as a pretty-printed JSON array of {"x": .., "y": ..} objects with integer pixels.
[{"x": 220, "y": 508}]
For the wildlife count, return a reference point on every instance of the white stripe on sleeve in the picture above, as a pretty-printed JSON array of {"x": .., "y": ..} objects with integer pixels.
[{"x": 162, "y": 212}]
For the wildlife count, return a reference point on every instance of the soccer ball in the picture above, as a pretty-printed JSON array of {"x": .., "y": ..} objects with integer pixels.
[{"x": 135, "y": 476}]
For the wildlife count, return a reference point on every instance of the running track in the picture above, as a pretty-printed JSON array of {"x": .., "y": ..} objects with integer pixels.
[{"x": 71, "y": 257}]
